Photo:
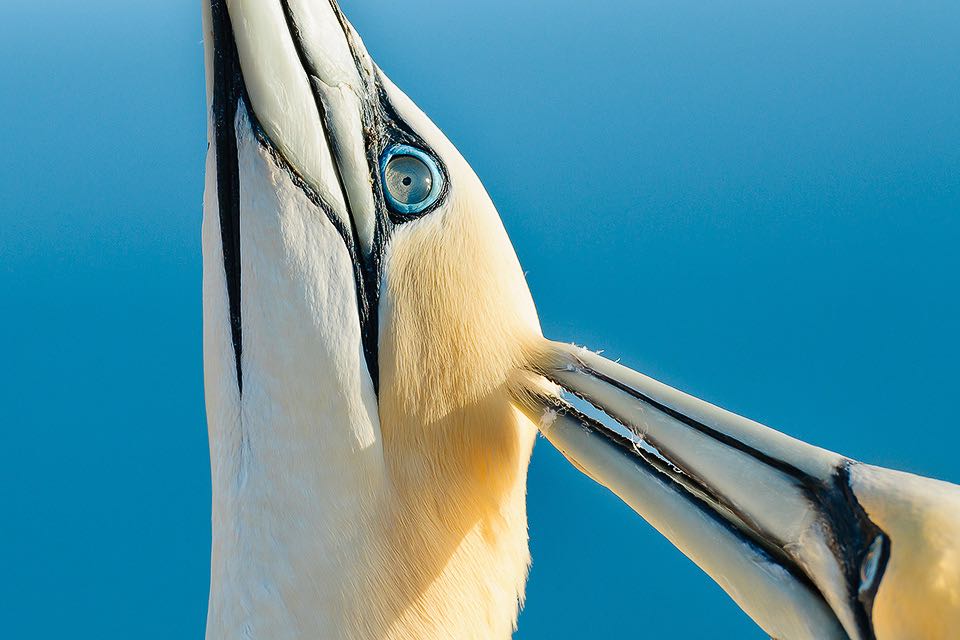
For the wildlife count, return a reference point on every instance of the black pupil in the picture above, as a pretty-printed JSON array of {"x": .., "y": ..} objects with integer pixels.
[{"x": 408, "y": 180}]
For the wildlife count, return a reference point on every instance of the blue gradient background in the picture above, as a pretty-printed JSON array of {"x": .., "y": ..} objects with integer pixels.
[{"x": 754, "y": 201}]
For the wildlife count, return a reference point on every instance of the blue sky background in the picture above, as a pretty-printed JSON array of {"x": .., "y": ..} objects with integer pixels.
[{"x": 755, "y": 201}]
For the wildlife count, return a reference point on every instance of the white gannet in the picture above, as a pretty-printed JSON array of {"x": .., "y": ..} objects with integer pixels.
[{"x": 375, "y": 375}]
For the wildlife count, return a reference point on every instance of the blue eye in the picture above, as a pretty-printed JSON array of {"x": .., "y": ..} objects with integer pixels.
[{"x": 412, "y": 181}]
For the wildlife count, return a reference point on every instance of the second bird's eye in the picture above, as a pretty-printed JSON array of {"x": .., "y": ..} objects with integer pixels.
[
  {"x": 411, "y": 179},
  {"x": 870, "y": 567}
]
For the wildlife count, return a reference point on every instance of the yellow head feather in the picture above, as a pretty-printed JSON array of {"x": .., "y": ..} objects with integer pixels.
[{"x": 457, "y": 327}]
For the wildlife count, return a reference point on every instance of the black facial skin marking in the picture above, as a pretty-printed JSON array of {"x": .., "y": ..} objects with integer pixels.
[
  {"x": 382, "y": 127},
  {"x": 228, "y": 90}
]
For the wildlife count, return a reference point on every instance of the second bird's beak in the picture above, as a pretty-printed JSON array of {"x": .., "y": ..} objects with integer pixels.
[{"x": 773, "y": 520}]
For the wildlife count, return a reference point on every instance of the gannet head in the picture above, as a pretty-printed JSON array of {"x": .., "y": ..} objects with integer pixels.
[
  {"x": 372, "y": 348},
  {"x": 368, "y": 327}
]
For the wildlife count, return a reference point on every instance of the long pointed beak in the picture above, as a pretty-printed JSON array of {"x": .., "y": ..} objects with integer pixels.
[
  {"x": 770, "y": 518},
  {"x": 308, "y": 80},
  {"x": 296, "y": 73}
]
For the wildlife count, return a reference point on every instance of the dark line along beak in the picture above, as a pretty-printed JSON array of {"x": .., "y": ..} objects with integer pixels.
[
  {"x": 226, "y": 92},
  {"x": 316, "y": 101},
  {"x": 773, "y": 520},
  {"x": 259, "y": 68}
]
